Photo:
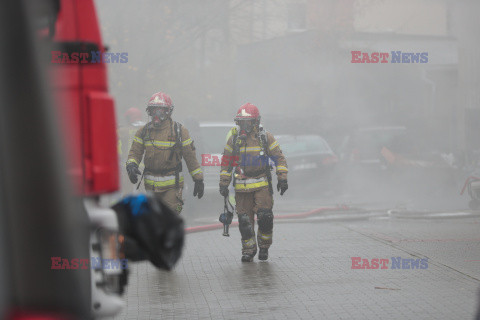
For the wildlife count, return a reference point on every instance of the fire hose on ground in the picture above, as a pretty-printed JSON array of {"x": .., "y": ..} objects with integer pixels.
[{"x": 215, "y": 226}]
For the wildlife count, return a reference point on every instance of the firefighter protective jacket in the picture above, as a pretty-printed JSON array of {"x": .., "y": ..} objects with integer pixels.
[
  {"x": 163, "y": 155},
  {"x": 253, "y": 162}
]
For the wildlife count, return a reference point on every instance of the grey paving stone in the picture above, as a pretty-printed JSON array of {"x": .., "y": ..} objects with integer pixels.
[{"x": 309, "y": 275}]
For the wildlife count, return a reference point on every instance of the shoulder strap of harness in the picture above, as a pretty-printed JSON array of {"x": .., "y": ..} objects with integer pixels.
[
  {"x": 178, "y": 137},
  {"x": 234, "y": 140},
  {"x": 177, "y": 127},
  {"x": 264, "y": 141}
]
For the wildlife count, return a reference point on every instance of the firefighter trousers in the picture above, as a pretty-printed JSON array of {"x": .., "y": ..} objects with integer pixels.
[
  {"x": 249, "y": 204},
  {"x": 172, "y": 198}
]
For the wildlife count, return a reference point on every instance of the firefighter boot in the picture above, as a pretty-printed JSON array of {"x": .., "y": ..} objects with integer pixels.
[
  {"x": 263, "y": 254},
  {"x": 247, "y": 257}
]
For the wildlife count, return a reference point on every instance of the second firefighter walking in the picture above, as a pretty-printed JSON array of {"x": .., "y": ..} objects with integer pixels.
[{"x": 254, "y": 148}]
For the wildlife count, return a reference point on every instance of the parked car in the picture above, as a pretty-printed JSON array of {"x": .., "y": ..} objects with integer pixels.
[
  {"x": 210, "y": 140},
  {"x": 213, "y": 140},
  {"x": 309, "y": 158}
]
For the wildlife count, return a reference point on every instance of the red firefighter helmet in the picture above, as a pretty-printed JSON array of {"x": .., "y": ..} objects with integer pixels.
[
  {"x": 247, "y": 118},
  {"x": 159, "y": 107},
  {"x": 160, "y": 99},
  {"x": 248, "y": 112},
  {"x": 133, "y": 115}
]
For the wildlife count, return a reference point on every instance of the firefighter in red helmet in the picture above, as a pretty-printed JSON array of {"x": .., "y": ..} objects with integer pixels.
[
  {"x": 163, "y": 143},
  {"x": 248, "y": 157}
]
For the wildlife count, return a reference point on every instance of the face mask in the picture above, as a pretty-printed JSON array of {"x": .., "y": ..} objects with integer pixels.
[
  {"x": 246, "y": 126},
  {"x": 159, "y": 115}
]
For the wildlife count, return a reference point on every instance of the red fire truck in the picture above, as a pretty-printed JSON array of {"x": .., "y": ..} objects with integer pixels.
[{"x": 50, "y": 200}]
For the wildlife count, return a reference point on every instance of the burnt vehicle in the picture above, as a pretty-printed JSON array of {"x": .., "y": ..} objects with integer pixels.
[
  {"x": 363, "y": 148},
  {"x": 472, "y": 188},
  {"x": 397, "y": 159},
  {"x": 472, "y": 185}
]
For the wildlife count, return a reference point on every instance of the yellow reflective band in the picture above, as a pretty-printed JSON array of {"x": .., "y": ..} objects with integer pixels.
[
  {"x": 282, "y": 168},
  {"x": 225, "y": 173},
  {"x": 252, "y": 149},
  {"x": 241, "y": 186},
  {"x": 160, "y": 143},
  {"x": 162, "y": 183},
  {"x": 231, "y": 198},
  {"x": 137, "y": 139},
  {"x": 228, "y": 148},
  {"x": 194, "y": 172},
  {"x": 187, "y": 142},
  {"x": 265, "y": 236},
  {"x": 132, "y": 160},
  {"x": 273, "y": 145},
  {"x": 249, "y": 243}
]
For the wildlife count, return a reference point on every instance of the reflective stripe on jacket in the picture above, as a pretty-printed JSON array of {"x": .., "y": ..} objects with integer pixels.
[
  {"x": 250, "y": 184},
  {"x": 161, "y": 181}
]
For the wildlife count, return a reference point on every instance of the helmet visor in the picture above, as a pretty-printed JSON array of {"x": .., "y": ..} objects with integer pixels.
[
  {"x": 246, "y": 125},
  {"x": 159, "y": 114}
]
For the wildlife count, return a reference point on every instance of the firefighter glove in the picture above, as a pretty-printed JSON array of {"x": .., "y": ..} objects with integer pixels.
[
  {"x": 282, "y": 186},
  {"x": 224, "y": 191},
  {"x": 132, "y": 170},
  {"x": 198, "y": 189}
]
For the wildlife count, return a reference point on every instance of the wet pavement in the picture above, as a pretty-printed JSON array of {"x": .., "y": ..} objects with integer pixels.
[{"x": 309, "y": 273}]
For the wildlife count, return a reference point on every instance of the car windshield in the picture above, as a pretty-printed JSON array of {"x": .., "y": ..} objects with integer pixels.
[{"x": 303, "y": 144}]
